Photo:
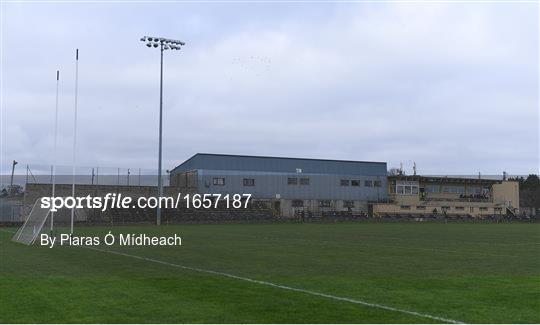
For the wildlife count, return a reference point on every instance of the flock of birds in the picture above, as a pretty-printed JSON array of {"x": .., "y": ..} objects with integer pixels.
[{"x": 253, "y": 64}]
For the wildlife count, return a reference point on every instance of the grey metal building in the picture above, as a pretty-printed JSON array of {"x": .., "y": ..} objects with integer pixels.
[{"x": 296, "y": 183}]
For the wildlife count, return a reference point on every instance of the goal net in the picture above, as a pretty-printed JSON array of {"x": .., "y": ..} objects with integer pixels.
[{"x": 31, "y": 228}]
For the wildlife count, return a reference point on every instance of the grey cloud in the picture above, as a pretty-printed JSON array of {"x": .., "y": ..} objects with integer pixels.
[{"x": 453, "y": 87}]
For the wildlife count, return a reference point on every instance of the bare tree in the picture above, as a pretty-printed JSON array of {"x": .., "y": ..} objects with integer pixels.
[{"x": 394, "y": 171}]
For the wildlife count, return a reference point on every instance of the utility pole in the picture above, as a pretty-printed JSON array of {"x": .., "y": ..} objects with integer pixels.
[{"x": 12, "y": 173}]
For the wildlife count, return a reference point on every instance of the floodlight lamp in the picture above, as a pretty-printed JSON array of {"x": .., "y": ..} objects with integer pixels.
[
  {"x": 143, "y": 39},
  {"x": 155, "y": 44},
  {"x": 148, "y": 44}
]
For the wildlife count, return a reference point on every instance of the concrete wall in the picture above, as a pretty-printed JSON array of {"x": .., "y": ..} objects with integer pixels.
[
  {"x": 288, "y": 209},
  {"x": 507, "y": 193},
  {"x": 475, "y": 209}
]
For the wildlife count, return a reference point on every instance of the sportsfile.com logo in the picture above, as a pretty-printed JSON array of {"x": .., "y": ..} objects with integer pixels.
[{"x": 119, "y": 201}]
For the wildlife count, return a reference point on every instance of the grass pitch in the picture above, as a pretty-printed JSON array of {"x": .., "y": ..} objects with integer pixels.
[{"x": 476, "y": 273}]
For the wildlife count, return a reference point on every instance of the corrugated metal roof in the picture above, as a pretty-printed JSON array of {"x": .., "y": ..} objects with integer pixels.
[{"x": 281, "y": 164}]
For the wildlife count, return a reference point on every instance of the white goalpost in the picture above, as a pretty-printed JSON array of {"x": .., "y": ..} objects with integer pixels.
[{"x": 35, "y": 221}]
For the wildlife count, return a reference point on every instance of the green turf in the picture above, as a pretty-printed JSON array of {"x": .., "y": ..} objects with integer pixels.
[{"x": 477, "y": 273}]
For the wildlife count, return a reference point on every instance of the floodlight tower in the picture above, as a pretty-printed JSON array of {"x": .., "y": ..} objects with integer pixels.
[{"x": 163, "y": 44}]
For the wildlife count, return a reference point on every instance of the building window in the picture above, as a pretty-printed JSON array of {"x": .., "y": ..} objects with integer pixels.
[
  {"x": 454, "y": 189},
  {"x": 420, "y": 207},
  {"x": 304, "y": 181},
  {"x": 297, "y": 203},
  {"x": 298, "y": 170},
  {"x": 344, "y": 182},
  {"x": 445, "y": 208},
  {"x": 471, "y": 209},
  {"x": 324, "y": 203},
  {"x": 377, "y": 183},
  {"x": 368, "y": 183},
  {"x": 460, "y": 208},
  {"x": 474, "y": 190},
  {"x": 249, "y": 182},
  {"x": 219, "y": 181},
  {"x": 405, "y": 207},
  {"x": 348, "y": 204},
  {"x": 355, "y": 182},
  {"x": 432, "y": 188},
  {"x": 499, "y": 210},
  {"x": 484, "y": 209},
  {"x": 292, "y": 181},
  {"x": 407, "y": 189}
]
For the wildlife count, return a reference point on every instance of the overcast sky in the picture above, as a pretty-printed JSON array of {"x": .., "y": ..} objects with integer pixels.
[{"x": 453, "y": 87}]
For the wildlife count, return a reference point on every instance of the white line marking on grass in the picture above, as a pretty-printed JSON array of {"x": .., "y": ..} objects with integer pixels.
[{"x": 270, "y": 284}]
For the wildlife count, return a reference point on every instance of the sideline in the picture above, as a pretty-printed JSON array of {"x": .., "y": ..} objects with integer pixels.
[{"x": 270, "y": 284}]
